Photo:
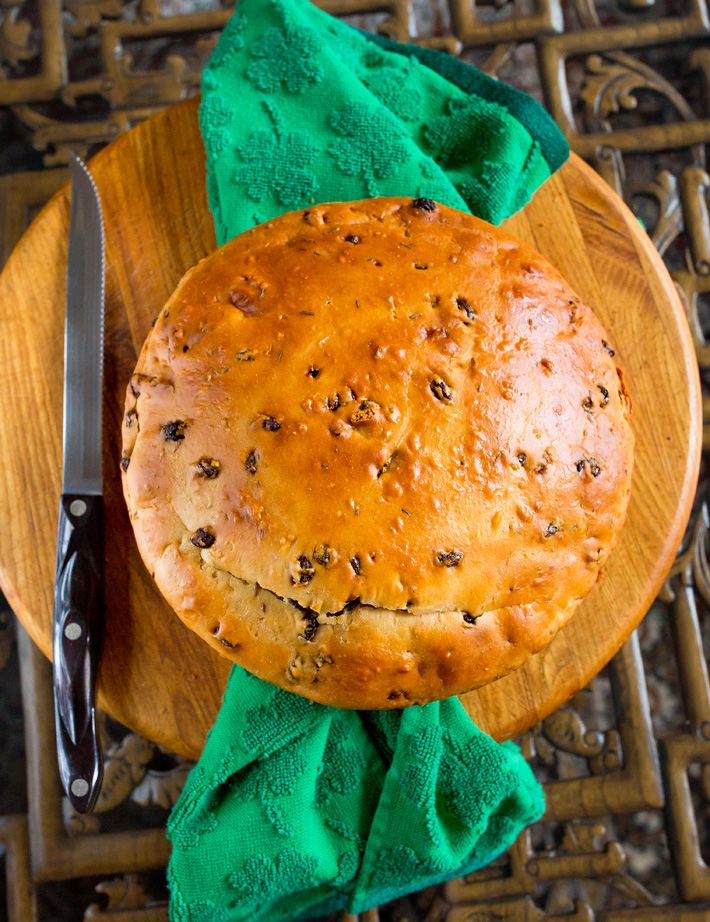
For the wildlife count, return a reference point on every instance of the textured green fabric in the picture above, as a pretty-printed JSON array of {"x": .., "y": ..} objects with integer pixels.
[
  {"x": 296, "y": 809},
  {"x": 299, "y": 107}
]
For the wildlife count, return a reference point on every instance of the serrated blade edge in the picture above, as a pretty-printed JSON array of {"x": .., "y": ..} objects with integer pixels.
[{"x": 84, "y": 337}]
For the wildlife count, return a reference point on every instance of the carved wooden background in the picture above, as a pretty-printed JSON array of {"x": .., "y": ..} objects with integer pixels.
[{"x": 626, "y": 764}]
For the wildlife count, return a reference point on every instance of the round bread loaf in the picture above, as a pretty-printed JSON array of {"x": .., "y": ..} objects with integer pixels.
[{"x": 376, "y": 452}]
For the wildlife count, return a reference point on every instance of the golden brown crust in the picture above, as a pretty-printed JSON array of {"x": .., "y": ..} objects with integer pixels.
[{"x": 381, "y": 451}]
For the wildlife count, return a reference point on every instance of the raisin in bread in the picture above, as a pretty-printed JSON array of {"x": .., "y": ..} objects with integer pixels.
[{"x": 376, "y": 452}]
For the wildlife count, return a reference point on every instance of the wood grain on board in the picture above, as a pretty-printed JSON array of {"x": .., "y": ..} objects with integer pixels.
[{"x": 156, "y": 676}]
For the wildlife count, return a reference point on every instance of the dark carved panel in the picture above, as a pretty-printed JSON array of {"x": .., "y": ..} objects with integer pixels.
[{"x": 626, "y": 763}]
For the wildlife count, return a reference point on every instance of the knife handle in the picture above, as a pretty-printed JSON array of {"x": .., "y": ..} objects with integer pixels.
[{"x": 76, "y": 644}]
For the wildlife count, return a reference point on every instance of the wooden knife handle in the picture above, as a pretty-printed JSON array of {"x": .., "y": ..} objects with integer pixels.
[{"x": 76, "y": 645}]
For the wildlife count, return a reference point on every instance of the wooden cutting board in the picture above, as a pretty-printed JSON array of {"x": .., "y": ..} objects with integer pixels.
[{"x": 156, "y": 676}]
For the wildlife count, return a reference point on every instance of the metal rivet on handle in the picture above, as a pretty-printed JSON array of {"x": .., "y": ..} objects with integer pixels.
[
  {"x": 72, "y": 631},
  {"x": 79, "y": 787},
  {"x": 77, "y": 507}
]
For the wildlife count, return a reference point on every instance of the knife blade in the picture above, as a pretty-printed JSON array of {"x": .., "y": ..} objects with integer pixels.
[{"x": 79, "y": 579}]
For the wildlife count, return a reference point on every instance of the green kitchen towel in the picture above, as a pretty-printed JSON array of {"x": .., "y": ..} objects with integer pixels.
[
  {"x": 296, "y": 809},
  {"x": 298, "y": 107}
]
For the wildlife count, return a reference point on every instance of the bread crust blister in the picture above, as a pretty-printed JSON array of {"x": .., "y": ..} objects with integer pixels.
[{"x": 376, "y": 452}]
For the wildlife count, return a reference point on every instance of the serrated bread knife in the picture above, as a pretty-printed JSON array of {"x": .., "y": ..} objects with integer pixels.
[{"x": 79, "y": 581}]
